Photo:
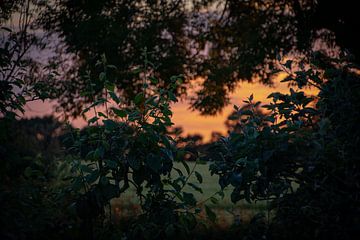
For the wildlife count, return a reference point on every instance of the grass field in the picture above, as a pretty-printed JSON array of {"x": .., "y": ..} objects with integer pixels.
[{"x": 127, "y": 205}]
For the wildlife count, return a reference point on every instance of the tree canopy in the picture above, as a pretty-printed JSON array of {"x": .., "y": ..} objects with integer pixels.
[{"x": 223, "y": 42}]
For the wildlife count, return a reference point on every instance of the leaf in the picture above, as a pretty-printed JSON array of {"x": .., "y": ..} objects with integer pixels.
[
  {"x": 154, "y": 80},
  {"x": 86, "y": 168},
  {"x": 92, "y": 177},
  {"x": 99, "y": 152},
  {"x": 195, "y": 187},
  {"x": 102, "y": 115},
  {"x": 178, "y": 171},
  {"x": 6, "y": 29},
  {"x": 187, "y": 168},
  {"x": 134, "y": 162},
  {"x": 109, "y": 86},
  {"x": 235, "y": 179},
  {"x": 172, "y": 97},
  {"x": 246, "y": 112},
  {"x": 139, "y": 98},
  {"x": 92, "y": 120},
  {"x": 153, "y": 162},
  {"x": 235, "y": 195},
  {"x": 175, "y": 185},
  {"x": 189, "y": 199},
  {"x": 109, "y": 124},
  {"x": 112, "y": 67},
  {"x": 102, "y": 76},
  {"x": 114, "y": 97},
  {"x": 221, "y": 194},
  {"x": 119, "y": 112},
  {"x": 137, "y": 70},
  {"x": 111, "y": 164},
  {"x": 288, "y": 64},
  {"x": 214, "y": 200},
  {"x": 210, "y": 214},
  {"x": 198, "y": 177}
]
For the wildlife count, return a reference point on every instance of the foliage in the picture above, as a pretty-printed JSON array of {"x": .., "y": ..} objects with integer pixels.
[
  {"x": 32, "y": 197},
  {"x": 299, "y": 158},
  {"x": 22, "y": 78},
  {"x": 129, "y": 145},
  {"x": 222, "y": 42}
]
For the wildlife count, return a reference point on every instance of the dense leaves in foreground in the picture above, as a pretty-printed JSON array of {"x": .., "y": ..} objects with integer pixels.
[
  {"x": 129, "y": 145},
  {"x": 301, "y": 157},
  {"x": 303, "y": 161}
]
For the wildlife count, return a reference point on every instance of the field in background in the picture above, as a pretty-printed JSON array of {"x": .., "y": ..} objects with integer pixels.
[{"x": 227, "y": 213}]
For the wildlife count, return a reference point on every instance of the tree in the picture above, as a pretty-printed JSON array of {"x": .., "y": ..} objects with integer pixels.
[
  {"x": 300, "y": 159},
  {"x": 223, "y": 42},
  {"x": 22, "y": 78}
]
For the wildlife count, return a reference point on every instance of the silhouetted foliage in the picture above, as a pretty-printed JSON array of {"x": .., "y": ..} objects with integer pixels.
[
  {"x": 221, "y": 41},
  {"x": 297, "y": 145},
  {"x": 32, "y": 202},
  {"x": 301, "y": 156}
]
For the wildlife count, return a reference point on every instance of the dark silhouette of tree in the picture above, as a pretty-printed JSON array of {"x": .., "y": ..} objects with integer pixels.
[
  {"x": 234, "y": 124},
  {"x": 22, "y": 76},
  {"x": 120, "y": 30},
  {"x": 223, "y": 42}
]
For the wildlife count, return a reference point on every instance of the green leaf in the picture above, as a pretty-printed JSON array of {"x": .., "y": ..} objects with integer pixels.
[
  {"x": 109, "y": 86},
  {"x": 111, "y": 164},
  {"x": 235, "y": 195},
  {"x": 119, "y": 112},
  {"x": 92, "y": 177},
  {"x": 198, "y": 177},
  {"x": 109, "y": 124},
  {"x": 214, "y": 200},
  {"x": 102, "y": 115},
  {"x": 86, "y": 168},
  {"x": 221, "y": 194},
  {"x": 112, "y": 67},
  {"x": 99, "y": 152},
  {"x": 178, "y": 171},
  {"x": 102, "y": 76},
  {"x": 172, "y": 97},
  {"x": 154, "y": 80},
  {"x": 186, "y": 166},
  {"x": 189, "y": 199},
  {"x": 137, "y": 70},
  {"x": 195, "y": 187},
  {"x": 139, "y": 98},
  {"x": 175, "y": 185},
  {"x": 92, "y": 120},
  {"x": 114, "y": 97},
  {"x": 210, "y": 214}
]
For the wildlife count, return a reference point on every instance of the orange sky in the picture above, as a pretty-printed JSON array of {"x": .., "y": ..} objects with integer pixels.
[{"x": 191, "y": 121}]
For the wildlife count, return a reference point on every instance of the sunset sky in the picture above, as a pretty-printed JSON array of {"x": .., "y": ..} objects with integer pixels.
[{"x": 191, "y": 121}]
